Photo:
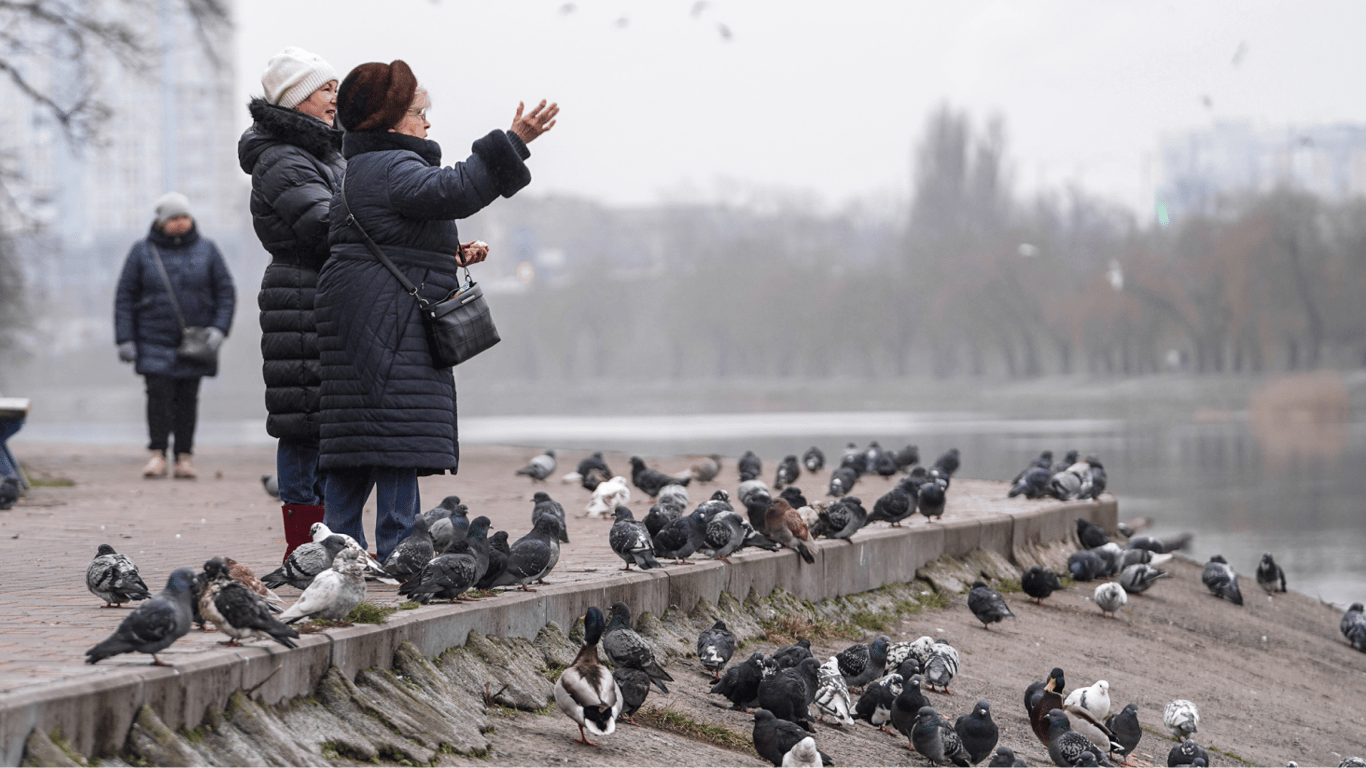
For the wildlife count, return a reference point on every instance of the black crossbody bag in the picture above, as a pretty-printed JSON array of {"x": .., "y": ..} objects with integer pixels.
[
  {"x": 194, "y": 340},
  {"x": 459, "y": 326}
]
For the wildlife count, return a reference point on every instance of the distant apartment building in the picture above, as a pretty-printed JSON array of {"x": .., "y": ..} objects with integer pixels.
[{"x": 1200, "y": 171}]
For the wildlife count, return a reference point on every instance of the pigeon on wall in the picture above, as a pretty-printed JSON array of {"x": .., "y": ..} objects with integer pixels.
[{"x": 154, "y": 624}]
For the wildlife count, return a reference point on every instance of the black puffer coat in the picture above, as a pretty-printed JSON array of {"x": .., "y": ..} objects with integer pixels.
[
  {"x": 383, "y": 404},
  {"x": 295, "y": 164},
  {"x": 142, "y": 305}
]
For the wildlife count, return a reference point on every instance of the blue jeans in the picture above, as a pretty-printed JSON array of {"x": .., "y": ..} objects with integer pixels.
[
  {"x": 8, "y": 428},
  {"x": 296, "y": 471},
  {"x": 396, "y": 504}
]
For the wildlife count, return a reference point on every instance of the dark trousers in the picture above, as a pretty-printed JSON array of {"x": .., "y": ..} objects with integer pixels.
[{"x": 172, "y": 406}]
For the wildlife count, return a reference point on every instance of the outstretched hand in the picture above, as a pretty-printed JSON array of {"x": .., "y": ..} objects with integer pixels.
[{"x": 534, "y": 123}]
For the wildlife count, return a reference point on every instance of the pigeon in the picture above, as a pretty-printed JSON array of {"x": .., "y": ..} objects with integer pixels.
[
  {"x": 1270, "y": 577},
  {"x": 978, "y": 732},
  {"x": 894, "y": 506},
  {"x": 948, "y": 462},
  {"x": 1110, "y": 555},
  {"x": 1094, "y": 698},
  {"x": 244, "y": 575},
  {"x": 1043, "y": 461},
  {"x": 756, "y": 503},
  {"x": 987, "y": 605},
  {"x": 114, "y": 578},
  {"x": 1091, "y": 535},
  {"x": 411, "y": 554},
  {"x": 941, "y": 666},
  {"x": 539, "y": 467},
  {"x": 813, "y": 460},
  {"x": 631, "y": 541},
  {"x": 449, "y": 575},
  {"x": 792, "y": 655},
  {"x": 586, "y": 690},
  {"x": 1125, "y": 729},
  {"x": 1005, "y": 758},
  {"x": 609, "y": 495},
  {"x": 785, "y": 526},
  {"x": 1039, "y": 583},
  {"x": 659, "y": 516},
  {"x": 650, "y": 480},
  {"x": 907, "y": 457},
  {"x": 832, "y": 696},
  {"x": 715, "y": 646},
  {"x": 1085, "y": 565},
  {"x": 788, "y": 471},
  {"x": 1093, "y": 479},
  {"x": 705, "y": 469},
  {"x": 238, "y": 612},
  {"x": 1353, "y": 627},
  {"x": 843, "y": 517},
  {"x": 740, "y": 683},
  {"x": 1186, "y": 753},
  {"x": 593, "y": 471},
  {"x": 1032, "y": 484},
  {"x": 875, "y": 704},
  {"x": 373, "y": 569},
  {"x": 794, "y": 496},
  {"x": 936, "y": 740},
  {"x": 1131, "y": 556},
  {"x": 1138, "y": 577},
  {"x": 681, "y": 537},
  {"x": 1036, "y": 689},
  {"x": 272, "y": 485},
  {"x": 788, "y": 692},
  {"x": 532, "y": 557},
  {"x": 1110, "y": 597},
  {"x": 1064, "y": 486},
  {"x": 1181, "y": 718},
  {"x": 498, "y": 560},
  {"x": 1221, "y": 581},
  {"x": 774, "y": 738},
  {"x": 906, "y": 707},
  {"x": 1065, "y": 746},
  {"x": 308, "y": 561},
  {"x": 674, "y": 494},
  {"x": 724, "y": 534},
  {"x": 854, "y": 458},
  {"x": 333, "y": 593},
  {"x": 626, "y": 648},
  {"x": 804, "y": 753},
  {"x": 930, "y": 500},
  {"x": 446, "y": 522},
  {"x": 542, "y": 504},
  {"x": 154, "y": 624},
  {"x": 635, "y": 688},
  {"x": 750, "y": 466},
  {"x": 842, "y": 481}
]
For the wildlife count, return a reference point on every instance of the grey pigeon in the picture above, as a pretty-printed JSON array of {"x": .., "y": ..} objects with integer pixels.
[
  {"x": 333, "y": 593},
  {"x": 705, "y": 469},
  {"x": 1065, "y": 746},
  {"x": 740, "y": 683},
  {"x": 635, "y": 688},
  {"x": 626, "y": 648},
  {"x": 659, "y": 516},
  {"x": 681, "y": 537},
  {"x": 756, "y": 503},
  {"x": 593, "y": 471},
  {"x": 542, "y": 504},
  {"x": 449, "y": 575},
  {"x": 1181, "y": 718},
  {"x": 1186, "y": 753},
  {"x": 532, "y": 557},
  {"x": 1065, "y": 485},
  {"x": 907, "y": 457},
  {"x": 749, "y": 465},
  {"x": 1125, "y": 729},
  {"x": 411, "y": 554},
  {"x": 1093, "y": 480},
  {"x": 114, "y": 578},
  {"x": 1085, "y": 565},
  {"x": 1270, "y": 577},
  {"x": 715, "y": 646},
  {"x": 894, "y": 506},
  {"x": 272, "y": 485},
  {"x": 875, "y": 704},
  {"x": 499, "y": 549},
  {"x": 862, "y": 663},
  {"x": 1353, "y": 627},
  {"x": 153, "y": 625},
  {"x": 1091, "y": 535},
  {"x": 941, "y": 666},
  {"x": 1032, "y": 484},
  {"x": 813, "y": 460},
  {"x": 238, "y": 612},
  {"x": 630, "y": 541},
  {"x": 724, "y": 534},
  {"x": 978, "y": 732},
  {"x": 774, "y": 738},
  {"x": 1043, "y": 461},
  {"x": 930, "y": 500},
  {"x": 792, "y": 655},
  {"x": 842, "y": 481},
  {"x": 539, "y": 467},
  {"x": 1221, "y": 581},
  {"x": 987, "y": 605},
  {"x": 843, "y": 517},
  {"x": 651, "y": 480},
  {"x": 788, "y": 472},
  {"x": 447, "y": 523},
  {"x": 788, "y": 692},
  {"x": 1039, "y": 583},
  {"x": 936, "y": 740},
  {"x": 1138, "y": 577},
  {"x": 1131, "y": 555},
  {"x": 1005, "y": 758},
  {"x": 373, "y": 570},
  {"x": 906, "y": 707},
  {"x": 308, "y": 561},
  {"x": 949, "y": 461},
  {"x": 674, "y": 494}
]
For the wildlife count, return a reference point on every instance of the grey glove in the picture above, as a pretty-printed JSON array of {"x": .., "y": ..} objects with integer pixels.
[
  {"x": 128, "y": 351},
  {"x": 215, "y": 338}
]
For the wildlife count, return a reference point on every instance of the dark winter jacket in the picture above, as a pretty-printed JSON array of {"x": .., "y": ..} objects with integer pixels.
[
  {"x": 142, "y": 305},
  {"x": 295, "y": 163},
  {"x": 383, "y": 404}
]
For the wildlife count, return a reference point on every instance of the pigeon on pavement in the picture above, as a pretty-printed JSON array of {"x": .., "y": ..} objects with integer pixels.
[
  {"x": 774, "y": 738},
  {"x": 832, "y": 695},
  {"x": 1181, "y": 718},
  {"x": 936, "y": 740},
  {"x": 785, "y": 526},
  {"x": 875, "y": 705},
  {"x": 978, "y": 732},
  {"x": 1138, "y": 577},
  {"x": 1065, "y": 746},
  {"x": 539, "y": 467},
  {"x": 625, "y": 647},
  {"x": 1187, "y": 753},
  {"x": 813, "y": 460},
  {"x": 1039, "y": 583},
  {"x": 609, "y": 495},
  {"x": 593, "y": 471},
  {"x": 843, "y": 517},
  {"x": 154, "y": 624},
  {"x": 705, "y": 469},
  {"x": 532, "y": 557},
  {"x": 651, "y": 480},
  {"x": 498, "y": 560},
  {"x": 1125, "y": 728},
  {"x": 1353, "y": 627},
  {"x": 1110, "y": 597},
  {"x": 373, "y": 569},
  {"x": 333, "y": 593},
  {"x": 948, "y": 461},
  {"x": 114, "y": 578},
  {"x": 243, "y": 574},
  {"x": 308, "y": 561},
  {"x": 715, "y": 646},
  {"x": 238, "y": 612},
  {"x": 1221, "y": 581},
  {"x": 542, "y": 504},
  {"x": 930, "y": 499},
  {"x": 1270, "y": 577},
  {"x": 740, "y": 683},
  {"x": 750, "y": 466},
  {"x": 987, "y": 605},
  {"x": 630, "y": 541},
  {"x": 788, "y": 472},
  {"x": 681, "y": 537},
  {"x": 862, "y": 663}
]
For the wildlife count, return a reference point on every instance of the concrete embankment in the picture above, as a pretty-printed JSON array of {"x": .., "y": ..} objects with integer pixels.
[{"x": 306, "y": 697}]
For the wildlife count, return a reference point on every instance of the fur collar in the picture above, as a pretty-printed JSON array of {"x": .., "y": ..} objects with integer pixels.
[
  {"x": 294, "y": 127},
  {"x": 358, "y": 142}
]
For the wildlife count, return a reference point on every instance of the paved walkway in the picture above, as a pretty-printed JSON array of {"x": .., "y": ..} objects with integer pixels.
[{"x": 49, "y": 618}]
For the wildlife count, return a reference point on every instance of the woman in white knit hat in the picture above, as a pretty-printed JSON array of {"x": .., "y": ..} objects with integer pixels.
[{"x": 292, "y": 152}]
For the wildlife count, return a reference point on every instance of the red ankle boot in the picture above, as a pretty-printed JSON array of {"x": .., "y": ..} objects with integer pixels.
[{"x": 299, "y": 518}]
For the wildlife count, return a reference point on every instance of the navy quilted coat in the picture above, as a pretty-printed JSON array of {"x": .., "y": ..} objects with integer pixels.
[
  {"x": 295, "y": 164},
  {"x": 142, "y": 305},
  {"x": 383, "y": 404}
]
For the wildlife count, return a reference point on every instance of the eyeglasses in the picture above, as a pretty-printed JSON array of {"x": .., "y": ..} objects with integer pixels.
[{"x": 421, "y": 114}]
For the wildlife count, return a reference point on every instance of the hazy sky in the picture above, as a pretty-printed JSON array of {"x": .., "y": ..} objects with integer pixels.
[{"x": 826, "y": 101}]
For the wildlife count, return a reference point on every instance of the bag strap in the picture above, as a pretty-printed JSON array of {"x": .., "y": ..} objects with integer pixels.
[{"x": 170, "y": 289}]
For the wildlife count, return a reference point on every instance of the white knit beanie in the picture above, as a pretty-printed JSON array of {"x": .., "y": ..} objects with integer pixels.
[
  {"x": 293, "y": 75},
  {"x": 171, "y": 205}
]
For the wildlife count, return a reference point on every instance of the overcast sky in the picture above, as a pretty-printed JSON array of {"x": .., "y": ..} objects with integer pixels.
[{"x": 826, "y": 101}]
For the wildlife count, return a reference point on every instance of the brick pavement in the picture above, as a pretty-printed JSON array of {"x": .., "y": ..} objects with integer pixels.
[{"x": 50, "y": 619}]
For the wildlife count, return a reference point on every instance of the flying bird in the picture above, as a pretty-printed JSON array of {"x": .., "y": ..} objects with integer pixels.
[
  {"x": 539, "y": 467},
  {"x": 154, "y": 624},
  {"x": 114, "y": 578}
]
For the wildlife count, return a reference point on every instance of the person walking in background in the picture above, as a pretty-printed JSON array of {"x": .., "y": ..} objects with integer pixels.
[
  {"x": 293, "y": 153},
  {"x": 147, "y": 325},
  {"x": 387, "y": 414}
]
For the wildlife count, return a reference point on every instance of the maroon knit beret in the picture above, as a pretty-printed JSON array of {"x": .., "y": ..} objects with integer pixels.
[{"x": 376, "y": 96}]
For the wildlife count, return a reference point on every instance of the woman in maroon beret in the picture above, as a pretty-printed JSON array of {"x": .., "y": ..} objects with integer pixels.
[{"x": 388, "y": 415}]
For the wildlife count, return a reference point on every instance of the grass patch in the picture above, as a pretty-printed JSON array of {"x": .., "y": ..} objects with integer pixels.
[
  {"x": 52, "y": 482},
  {"x": 1067, "y": 582},
  {"x": 553, "y": 671},
  {"x": 935, "y": 600},
  {"x": 879, "y": 621},
  {"x": 1009, "y": 586},
  {"x": 409, "y": 605},
  {"x": 1228, "y": 754},
  {"x": 785, "y": 630},
  {"x": 677, "y": 722},
  {"x": 369, "y": 613},
  {"x": 477, "y": 593},
  {"x": 907, "y": 607}
]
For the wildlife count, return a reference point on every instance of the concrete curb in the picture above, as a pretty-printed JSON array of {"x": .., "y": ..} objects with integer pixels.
[{"x": 94, "y": 715}]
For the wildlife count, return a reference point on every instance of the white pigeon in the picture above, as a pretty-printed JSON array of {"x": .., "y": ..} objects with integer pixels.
[
  {"x": 1181, "y": 718},
  {"x": 333, "y": 593},
  {"x": 1094, "y": 698},
  {"x": 803, "y": 753},
  {"x": 674, "y": 494},
  {"x": 609, "y": 495},
  {"x": 371, "y": 566},
  {"x": 832, "y": 694},
  {"x": 1110, "y": 597}
]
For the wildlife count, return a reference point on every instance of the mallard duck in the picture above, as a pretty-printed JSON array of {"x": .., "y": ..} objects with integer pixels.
[{"x": 586, "y": 690}]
